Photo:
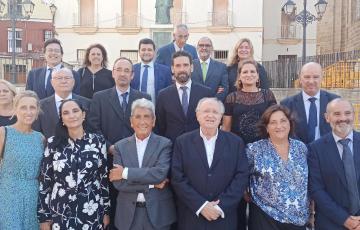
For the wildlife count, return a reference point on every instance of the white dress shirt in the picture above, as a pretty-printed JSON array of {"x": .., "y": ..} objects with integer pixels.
[
  {"x": 150, "y": 87},
  {"x": 58, "y": 101},
  {"x": 210, "y": 149},
  {"x": 140, "y": 150},
  {"x": 177, "y": 48},
  {"x": 180, "y": 91},
  {"x": 307, "y": 104},
  {"x": 55, "y": 68},
  {"x": 119, "y": 93},
  {"x": 339, "y": 146}
]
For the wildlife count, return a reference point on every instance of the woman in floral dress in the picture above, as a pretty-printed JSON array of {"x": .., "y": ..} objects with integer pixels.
[{"x": 74, "y": 191}]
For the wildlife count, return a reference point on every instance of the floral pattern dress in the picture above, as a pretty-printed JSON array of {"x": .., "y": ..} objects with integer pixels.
[{"x": 74, "y": 191}]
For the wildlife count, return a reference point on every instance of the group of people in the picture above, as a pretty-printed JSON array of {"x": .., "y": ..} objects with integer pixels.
[{"x": 177, "y": 141}]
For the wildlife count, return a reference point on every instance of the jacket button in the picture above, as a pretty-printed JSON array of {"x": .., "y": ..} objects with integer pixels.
[{"x": 209, "y": 174}]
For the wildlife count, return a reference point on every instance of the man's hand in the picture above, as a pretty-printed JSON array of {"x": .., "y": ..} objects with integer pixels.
[
  {"x": 210, "y": 212},
  {"x": 112, "y": 150},
  {"x": 220, "y": 89},
  {"x": 162, "y": 184},
  {"x": 106, "y": 220},
  {"x": 116, "y": 173},
  {"x": 45, "y": 226},
  {"x": 352, "y": 222}
]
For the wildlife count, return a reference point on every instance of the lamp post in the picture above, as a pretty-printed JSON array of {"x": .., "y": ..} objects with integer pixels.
[
  {"x": 26, "y": 6},
  {"x": 305, "y": 17},
  {"x": 53, "y": 9}
]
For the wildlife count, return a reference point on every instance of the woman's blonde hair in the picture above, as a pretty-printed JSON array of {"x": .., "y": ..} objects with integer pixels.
[
  {"x": 26, "y": 93},
  {"x": 11, "y": 87},
  {"x": 234, "y": 58}
]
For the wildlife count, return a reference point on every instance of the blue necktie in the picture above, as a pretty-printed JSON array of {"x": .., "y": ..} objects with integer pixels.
[
  {"x": 312, "y": 122},
  {"x": 48, "y": 88},
  {"x": 124, "y": 102},
  {"x": 144, "y": 79},
  {"x": 184, "y": 99},
  {"x": 350, "y": 174}
]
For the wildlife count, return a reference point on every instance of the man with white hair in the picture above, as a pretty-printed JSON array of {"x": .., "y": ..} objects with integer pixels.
[
  {"x": 209, "y": 172},
  {"x": 63, "y": 82},
  {"x": 141, "y": 165}
]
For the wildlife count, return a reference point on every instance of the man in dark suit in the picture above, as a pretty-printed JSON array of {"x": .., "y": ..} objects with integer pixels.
[
  {"x": 110, "y": 113},
  {"x": 334, "y": 171},
  {"x": 180, "y": 35},
  {"x": 308, "y": 106},
  {"x": 150, "y": 77},
  {"x": 210, "y": 72},
  {"x": 141, "y": 163},
  {"x": 39, "y": 79},
  {"x": 175, "y": 107},
  {"x": 63, "y": 82},
  {"x": 209, "y": 172}
]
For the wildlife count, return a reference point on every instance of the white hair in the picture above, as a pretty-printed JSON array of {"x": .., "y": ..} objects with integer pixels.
[{"x": 143, "y": 103}]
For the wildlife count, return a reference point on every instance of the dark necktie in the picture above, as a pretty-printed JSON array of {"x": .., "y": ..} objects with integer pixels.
[
  {"x": 48, "y": 88},
  {"x": 124, "y": 102},
  {"x": 350, "y": 174},
  {"x": 184, "y": 99},
  {"x": 312, "y": 122},
  {"x": 144, "y": 79}
]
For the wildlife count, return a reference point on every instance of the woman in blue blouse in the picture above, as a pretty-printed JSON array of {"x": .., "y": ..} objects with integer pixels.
[
  {"x": 278, "y": 175},
  {"x": 74, "y": 192}
]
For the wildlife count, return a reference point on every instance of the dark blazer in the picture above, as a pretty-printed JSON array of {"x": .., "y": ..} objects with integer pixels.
[
  {"x": 35, "y": 81},
  {"x": 171, "y": 121},
  {"x": 216, "y": 77},
  {"x": 194, "y": 182},
  {"x": 160, "y": 204},
  {"x": 164, "y": 54},
  {"x": 49, "y": 117},
  {"x": 162, "y": 75},
  {"x": 232, "y": 71},
  {"x": 106, "y": 115},
  {"x": 297, "y": 108},
  {"x": 327, "y": 182}
]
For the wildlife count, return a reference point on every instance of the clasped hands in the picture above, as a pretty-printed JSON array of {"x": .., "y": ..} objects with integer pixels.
[
  {"x": 116, "y": 174},
  {"x": 210, "y": 212},
  {"x": 352, "y": 223}
]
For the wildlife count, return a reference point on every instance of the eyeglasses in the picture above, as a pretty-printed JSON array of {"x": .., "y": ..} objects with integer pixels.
[
  {"x": 182, "y": 36},
  {"x": 66, "y": 78},
  {"x": 204, "y": 45},
  {"x": 122, "y": 70}
]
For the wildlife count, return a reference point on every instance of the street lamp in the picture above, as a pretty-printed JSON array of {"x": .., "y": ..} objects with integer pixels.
[
  {"x": 305, "y": 17},
  {"x": 53, "y": 9},
  {"x": 28, "y": 7}
]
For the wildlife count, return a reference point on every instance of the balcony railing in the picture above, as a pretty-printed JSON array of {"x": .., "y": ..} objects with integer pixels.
[
  {"x": 84, "y": 21},
  {"x": 127, "y": 20},
  {"x": 220, "y": 19},
  {"x": 289, "y": 32}
]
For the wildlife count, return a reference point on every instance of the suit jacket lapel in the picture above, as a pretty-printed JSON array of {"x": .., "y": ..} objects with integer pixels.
[
  {"x": 218, "y": 150},
  {"x": 42, "y": 77},
  {"x": 193, "y": 100},
  {"x": 200, "y": 147},
  {"x": 323, "y": 103},
  {"x": 132, "y": 151},
  {"x": 115, "y": 103},
  {"x": 210, "y": 71},
  {"x": 333, "y": 153},
  {"x": 150, "y": 149},
  {"x": 52, "y": 110},
  {"x": 356, "y": 152},
  {"x": 156, "y": 78},
  {"x": 177, "y": 102},
  {"x": 301, "y": 114},
  {"x": 136, "y": 80},
  {"x": 198, "y": 73}
]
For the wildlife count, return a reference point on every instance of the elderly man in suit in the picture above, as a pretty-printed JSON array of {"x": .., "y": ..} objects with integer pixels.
[
  {"x": 209, "y": 172},
  {"x": 308, "y": 106},
  {"x": 110, "y": 112},
  {"x": 175, "y": 107},
  {"x": 210, "y": 72},
  {"x": 150, "y": 77},
  {"x": 39, "y": 79},
  {"x": 141, "y": 165},
  {"x": 63, "y": 82},
  {"x": 180, "y": 35},
  {"x": 334, "y": 171}
]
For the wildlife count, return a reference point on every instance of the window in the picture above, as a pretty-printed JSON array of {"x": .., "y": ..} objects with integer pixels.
[
  {"x": 80, "y": 53},
  {"x": 357, "y": 10},
  {"x": 20, "y": 73},
  {"x": 48, "y": 34},
  {"x": 18, "y": 35},
  {"x": 221, "y": 55},
  {"x": 18, "y": 8},
  {"x": 131, "y": 54}
]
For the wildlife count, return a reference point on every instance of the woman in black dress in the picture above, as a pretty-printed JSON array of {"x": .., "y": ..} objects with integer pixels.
[
  {"x": 94, "y": 76},
  {"x": 243, "y": 109},
  {"x": 7, "y": 94},
  {"x": 244, "y": 50}
]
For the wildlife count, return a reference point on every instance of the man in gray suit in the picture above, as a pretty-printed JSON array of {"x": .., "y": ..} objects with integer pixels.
[
  {"x": 210, "y": 72},
  {"x": 141, "y": 165},
  {"x": 63, "y": 83}
]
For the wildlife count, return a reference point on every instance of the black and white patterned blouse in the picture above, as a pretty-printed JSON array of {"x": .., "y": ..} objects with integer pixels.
[{"x": 74, "y": 191}]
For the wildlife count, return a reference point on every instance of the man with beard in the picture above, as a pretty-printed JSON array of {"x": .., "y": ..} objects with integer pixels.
[
  {"x": 334, "y": 168},
  {"x": 175, "y": 107},
  {"x": 210, "y": 72},
  {"x": 308, "y": 106},
  {"x": 150, "y": 77}
]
